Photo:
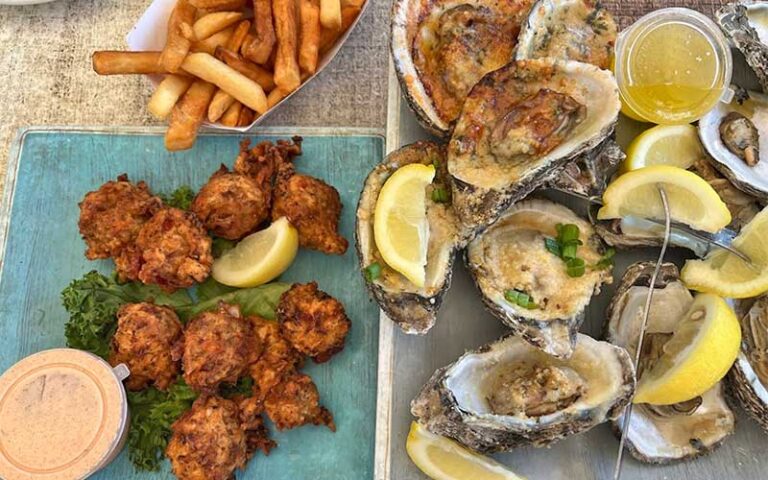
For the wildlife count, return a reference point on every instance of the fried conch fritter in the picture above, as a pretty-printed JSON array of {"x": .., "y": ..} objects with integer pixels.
[
  {"x": 232, "y": 205},
  {"x": 172, "y": 250},
  {"x": 218, "y": 347},
  {"x": 145, "y": 337},
  {"x": 312, "y": 206},
  {"x": 210, "y": 441},
  {"x": 261, "y": 162},
  {"x": 278, "y": 357},
  {"x": 312, "y": 321},
  {"x": 295, "y": 402},
  {"x": 111, "y": 217}
]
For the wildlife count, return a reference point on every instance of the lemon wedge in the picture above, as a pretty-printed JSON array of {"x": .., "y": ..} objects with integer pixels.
[
  {"x": 691, "y": 199},
  {"x": 400, "y": 225},
  {"x": 726, "y": 274},
  {"x": 673, "y": 145},
  {"x": 699, "y": 354},
  {"x": 443, "y": 459},
  {"x": 259, "y": 257}
]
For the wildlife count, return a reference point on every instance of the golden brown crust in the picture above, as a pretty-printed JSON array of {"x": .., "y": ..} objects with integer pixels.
[
  {"x": 295, "y": 402},
  {"x": 218, "y": 347},
  {"x": 172, "y": 250},
  {"x": 111, "y": 217},
  {"x": 231, "y": 205},
  {"x": 277, "y": 360},
  {"x": 208, "y": 442},
  {"x": 312, "y": 206},
  {"x": 312, "y": 321},
  {"x": 145, "y": 337}
]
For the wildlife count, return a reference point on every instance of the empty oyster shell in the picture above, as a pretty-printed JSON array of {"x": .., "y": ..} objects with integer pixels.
[
  {"x": 522, "y": 123},
  {"x": 511, "y": 255},
  {"x": 441, "y": 48},
  {"x": 745, "y": 23},
  {"x": 580, "y": 30},
  {"x": 754, "y": 107},
  {"x": 414, "y": 309},
  {"x": 508, "y": 394},
  {"x": 749, "y": 376},
  {"x": 662, "y": 434}
]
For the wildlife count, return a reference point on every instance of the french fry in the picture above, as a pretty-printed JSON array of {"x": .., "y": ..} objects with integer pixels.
[
  {"x": 309, "y": 38},
  {"x": 187, "y": 116},
  {"x": 218, "y": 5},
  {"x": 116, "y": 63},
  {"x": 216, "y": 40},
  {"x": 256, "y": 73},
  {"x": 210, "y": 69},
  {"x": 236, "y": 40},
  {"x": 167, "y": 94},
  {"x": 246, "y": 117},
  {"x": 330, "y": 14},
  {"x": 328, "y": 37},
  {"x": 177, "y": 41},
  {"x": 259, "y": 47},
  {"x": 352, "y": 3},
  {"x": 275, "y": 96},
  {"x": 214, "y": 22},
  {"x": 220, "y": 103},
  {"x": 287, "y": 74},
  {"x": 232, "y": 115}
]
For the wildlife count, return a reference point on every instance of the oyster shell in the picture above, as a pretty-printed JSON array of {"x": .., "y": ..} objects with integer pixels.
[
  {"x": 441, "y": 48},
  {"x": 580, "y": 30},
  {"x": 522, "y": 123},
  {"x": 662, "y": 434},
  {"x": 511, "y": 255},
  {"x": 508, "y": 394},
  {"x": 752, "y": 179},
  {"x": 749, "y": 376},
  {"x": 414, "y": 309},
  {"x": 745, "y": 23},
  {"x": 589, "y": 174}
]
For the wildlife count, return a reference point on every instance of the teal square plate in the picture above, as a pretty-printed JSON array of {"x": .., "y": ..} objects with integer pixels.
[{"x": 41, "y": 251}]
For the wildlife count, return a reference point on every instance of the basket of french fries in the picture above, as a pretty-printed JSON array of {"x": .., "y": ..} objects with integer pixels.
[{"x": 228, "y": 63}]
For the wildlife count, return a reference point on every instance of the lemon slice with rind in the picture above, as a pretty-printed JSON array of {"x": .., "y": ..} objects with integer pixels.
[
  {"x": 726, "y": 274},
  {"x": 673, "y": 145},
  {"x": 443, "y": 459},
  {"x": 400, "y": 226},
  {"x": 691, "y": 199},
  {"x": 699, "y": 354},
  {"x": 259, "y": 257}
]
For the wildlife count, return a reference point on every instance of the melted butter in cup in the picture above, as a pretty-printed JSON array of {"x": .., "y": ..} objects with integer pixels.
[{"x": 63, "y": 415}]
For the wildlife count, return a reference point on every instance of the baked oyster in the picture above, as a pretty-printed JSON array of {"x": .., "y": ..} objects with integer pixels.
[
  {"x": 663, "y": 433},
  {"x": 414, "y": 309},
  {"x": 745, "y": 23},
  {"x": 441, "y": 48},
  {"x": 513, "y": 256},
  {"x": 508, "y": 394},
  {"x": 580, "y": 30},
  {"x": 736, "y": 137},
  {"x": 749, "y": 376},
  {"x": 521, "y": 124}
]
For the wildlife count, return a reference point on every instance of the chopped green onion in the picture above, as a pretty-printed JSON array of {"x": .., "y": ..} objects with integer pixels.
[
  {"x": 575, "y": 267},
  {"x": 440, "y": 195},
  {"x": 522, "y": 299},
  {"x": 552, "y": 246},
  {"x": 607, "y": 260},
  {"x": 569, "y": 251},
  {"x": 372, "y": 271},
  {"x": 568, "y": 233}
]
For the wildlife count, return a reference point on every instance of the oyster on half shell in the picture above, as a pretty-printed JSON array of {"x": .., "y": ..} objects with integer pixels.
[
  {"x": 511, "y": 255},
  {"x": 521, "y": 124},
  {"x": 749, "y": 376},
  {"x": 580, "y": 30},
  {"x": 662, "y": 434},
  {"x": 745, "y": 23},
  {"x": 441, "y": 48},
  {"x": 414, "y": 309},
  {"x": 726, "y": 134},
  {"x": 508, "y": 394}
]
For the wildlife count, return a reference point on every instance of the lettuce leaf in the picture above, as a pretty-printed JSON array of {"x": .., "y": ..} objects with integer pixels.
[{"x": 261, "y": 301}]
